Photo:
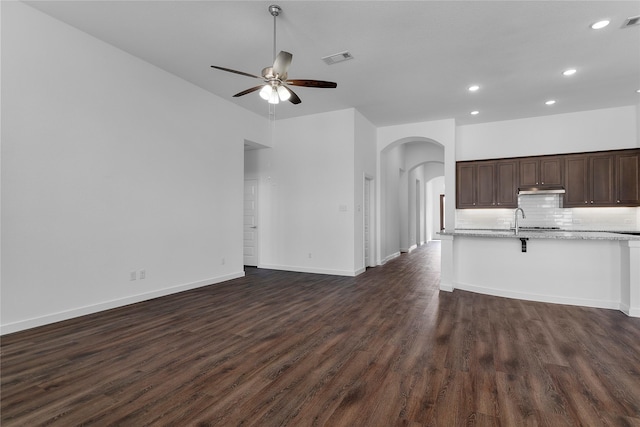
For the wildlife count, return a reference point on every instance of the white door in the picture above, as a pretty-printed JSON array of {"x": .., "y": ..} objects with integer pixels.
[{"x": 251, "y": 222}]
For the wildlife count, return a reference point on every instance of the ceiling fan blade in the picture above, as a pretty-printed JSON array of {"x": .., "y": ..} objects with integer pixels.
[
  {"x": 294, "y": 99},
  {"x": 244, "y": 92},
  {"x": 282, "y": 63},
  {"x": 312, "y": 83},
  {"x": 235, "y": 71}
]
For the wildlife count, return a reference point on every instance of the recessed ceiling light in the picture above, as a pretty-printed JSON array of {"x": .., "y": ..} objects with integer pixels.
[
  {"x": 638, "y": 91},
  {"x": 600, "y": 24},
  {"x": 473, "y": 113},
  {"x": 473, "y": 88},
  {"x": 550, "y": 102},
  {"x": 569, "y": 72}
]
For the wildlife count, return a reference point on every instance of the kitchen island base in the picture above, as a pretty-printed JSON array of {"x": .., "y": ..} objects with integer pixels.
[{"x": 587, "y": 272}]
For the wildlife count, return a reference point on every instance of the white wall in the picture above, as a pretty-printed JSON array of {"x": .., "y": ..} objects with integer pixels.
[
  {"x": 109, "y": 166},
  {"x": 606, "y": 129},
  {"x": 306, "y": 195}
]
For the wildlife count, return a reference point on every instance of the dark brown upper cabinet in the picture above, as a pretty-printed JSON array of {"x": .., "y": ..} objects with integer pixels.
[
  {"x": 627, "y": 183},
  {"x": 589, "y": 180},
  {"x": 537, "y": 171},
  {"x": 576, "y": 182},
  {"x": 486, "y": 184},
  {"x": 465, "y": 185},
  {"x": 602, "y": 179},
  {"x": 605, "y": 178},
  {"x": 507, "y": 184}
]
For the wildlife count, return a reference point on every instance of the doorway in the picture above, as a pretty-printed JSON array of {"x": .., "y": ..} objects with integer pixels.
[
  {"x": 368, "y": 222},
  {"x": 250, "y": 223}
]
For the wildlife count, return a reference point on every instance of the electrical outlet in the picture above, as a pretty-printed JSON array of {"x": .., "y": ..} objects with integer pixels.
[
  {"x": 309, "y": 254},
  {"x": 143, "y": 274},
  {"x": 222, "y": 261},
  {"x": 132, "y": 275}
]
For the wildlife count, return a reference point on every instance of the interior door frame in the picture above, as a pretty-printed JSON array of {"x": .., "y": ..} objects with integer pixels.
[
  {"x": 369, "y": 210},
  {"x": 257, "y": 233}
]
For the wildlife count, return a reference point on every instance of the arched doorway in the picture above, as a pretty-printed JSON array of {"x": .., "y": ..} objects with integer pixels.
[{"x": 405, "y": 168}]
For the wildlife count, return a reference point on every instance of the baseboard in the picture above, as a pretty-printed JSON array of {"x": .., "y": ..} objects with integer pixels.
[
  {"x": 631, "y": 312},
  {"x": 583, "y": 302},
  {"x": 360, "y": 271},
  {"x": 107, "y": 305},
  {"x": 297, "y": 269},
  {"x": 390, "y": 257},
  {"x": 447, "y": 287}
]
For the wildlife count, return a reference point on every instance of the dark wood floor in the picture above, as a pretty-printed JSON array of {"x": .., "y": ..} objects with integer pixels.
[{"x": 276, "y": 348}]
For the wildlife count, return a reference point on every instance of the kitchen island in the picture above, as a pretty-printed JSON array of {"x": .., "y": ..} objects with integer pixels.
[{"x": 593, "y": 269}]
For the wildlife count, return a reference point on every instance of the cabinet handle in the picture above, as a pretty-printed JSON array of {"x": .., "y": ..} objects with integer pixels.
[
  {"x": 542, "y": 182},
  {"x": 474, "y": 204},
  {"x": 617, "y": 201},
  {"x": 586, "y": 202},
  {"x": 592, "y": 202},
  {"x": 499, "y": 203}
]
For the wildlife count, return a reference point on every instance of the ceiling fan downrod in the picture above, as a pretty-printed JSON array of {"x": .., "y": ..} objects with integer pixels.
[{"x": 275, "y": 10}]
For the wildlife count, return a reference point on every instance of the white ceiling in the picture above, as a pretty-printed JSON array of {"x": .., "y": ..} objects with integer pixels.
[{"x": 413, "y": 59}]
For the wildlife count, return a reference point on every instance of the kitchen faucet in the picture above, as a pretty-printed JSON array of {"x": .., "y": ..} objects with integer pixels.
[{"x": 515, "y": 218}]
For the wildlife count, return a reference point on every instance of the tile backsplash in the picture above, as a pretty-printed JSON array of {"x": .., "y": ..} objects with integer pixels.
[{"x": 545, "y": 210}]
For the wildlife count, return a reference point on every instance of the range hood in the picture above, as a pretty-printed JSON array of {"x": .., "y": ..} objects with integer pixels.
[{"x": 546, "y": 189}]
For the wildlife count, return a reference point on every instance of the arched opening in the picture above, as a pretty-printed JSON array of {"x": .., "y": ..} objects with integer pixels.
[{"x": 408, "y": 167}]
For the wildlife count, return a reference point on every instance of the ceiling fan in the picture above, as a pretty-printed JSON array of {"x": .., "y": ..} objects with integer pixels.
[{"x": 275, "y": 87}]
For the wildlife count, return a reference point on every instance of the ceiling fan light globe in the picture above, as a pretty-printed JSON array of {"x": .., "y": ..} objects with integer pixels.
[
  {"x": 274, "y": 98},
  {"x": 265, "y": 92},
  {"x": 283, "y": 93}
]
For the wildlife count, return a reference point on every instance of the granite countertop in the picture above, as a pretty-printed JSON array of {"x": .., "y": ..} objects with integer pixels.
[{"x": 542, "y": 234}]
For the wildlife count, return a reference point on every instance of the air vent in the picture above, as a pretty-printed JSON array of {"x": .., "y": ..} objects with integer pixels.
[
  {"x": 634, "y": 21},
  {"x": 338, "y": 57}
]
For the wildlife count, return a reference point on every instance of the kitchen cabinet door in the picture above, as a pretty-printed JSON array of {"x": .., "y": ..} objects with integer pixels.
[
  {"x": 627, "y": 176},
  {"x": 528, "y": 172},
  {"x": 576, "y": 181},
  {"x": 465, "y": 185},
  {"x": 536, "y": 171},
  {"x": 486, "y": 184},
  {"x": 507, "y": 184},
  {"x": 601, "y": 179},
  {"x": 551, "y": 170}
]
